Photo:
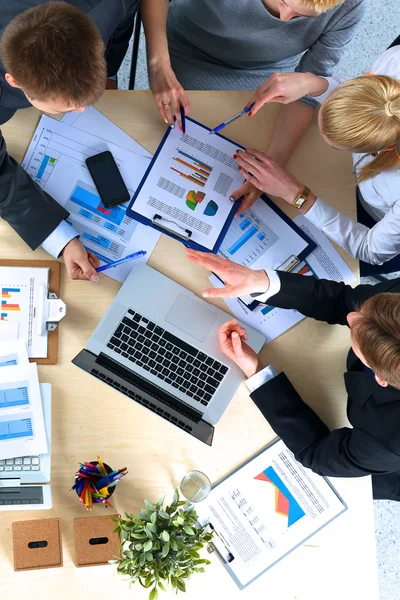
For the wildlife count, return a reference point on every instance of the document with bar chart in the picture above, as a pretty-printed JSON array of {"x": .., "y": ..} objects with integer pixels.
[
  {"x": 266, "y": 509},
  {"x": 188, "y": 186},
  {"x": 22, "y": 429},
  {"x": 260, "y": 238},
  {"x": 56, "y": 161},
  {"x": 21, "y": 290}
]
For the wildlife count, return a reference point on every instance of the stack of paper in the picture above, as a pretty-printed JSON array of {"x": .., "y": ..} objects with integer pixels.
[
  {"x": 22, "y": 429},
  {"x": 56, "y": 161}
]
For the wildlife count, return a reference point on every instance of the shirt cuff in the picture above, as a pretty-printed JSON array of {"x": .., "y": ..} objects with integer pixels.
[
  {"x": 258, "y": 379},
  {"x": 321, "y": 213},
  {"x": 333, "y": 83},
  {"x": 55, "y": 243},
  {"x": 274, "y": 287}
]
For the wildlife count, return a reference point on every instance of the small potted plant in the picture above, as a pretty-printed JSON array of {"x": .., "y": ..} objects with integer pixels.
[{"x": 161, "y": 545}]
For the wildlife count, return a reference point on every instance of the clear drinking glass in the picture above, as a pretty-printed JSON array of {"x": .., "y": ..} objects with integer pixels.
[{"x": 195, "y": 486}]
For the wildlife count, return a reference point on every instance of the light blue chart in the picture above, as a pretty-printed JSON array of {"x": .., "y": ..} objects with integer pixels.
[
  {"x": 13, "y": 429},
  {"x": 247, "y": 239},
  {"x": 14, "y": 396},
  {"x": 85, "y": 202}
]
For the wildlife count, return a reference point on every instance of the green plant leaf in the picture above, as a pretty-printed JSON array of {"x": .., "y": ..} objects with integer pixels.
[
  {"x": 174, "y": 546},
  {"x": 153, "y": 517},
  {"x": 148, "y": 546},
  {"x": 163, "y": 514},
  {"x": 175, "y": 498},
  {"x": 165, "y": 536},
  {"x": 181, "y": 585},
  {"x": 188, "y": 530},
  {"x": 149, "y": 505},
  {"x": 180, "y": 520},
  {"x": 153, "y": 594},
  {"x": 148, "y": 556},
  {"x": 160, "y": 503},
  {"x": 139, "y": 536},
  {"x": 194, "y": 554},
  {"x": 165, "y": 550},
  {"x": 173, "y": 581},
  {"x": 162, "y": 587},
  {"x": 138, "y": 547}
]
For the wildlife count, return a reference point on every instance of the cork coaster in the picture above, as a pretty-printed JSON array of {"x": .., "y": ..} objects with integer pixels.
[
  {"x": 37, "y": 544},
  {"x": 95, "y": 542}
]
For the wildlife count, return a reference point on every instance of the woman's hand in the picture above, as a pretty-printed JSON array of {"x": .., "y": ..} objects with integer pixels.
[
  {"x": 285, "y": 88},
  {"x": 231, "y": 339},
  {"x": 168, "y": 93},
  {"x": 248, "y": 194},
  {"x": 266, "y": 175}
]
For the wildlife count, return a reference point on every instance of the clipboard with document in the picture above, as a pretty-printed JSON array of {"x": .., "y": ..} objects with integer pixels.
[
  {"x": 265, "y": 509},
  {"x": 264, "y": 237},
  {"x": 30, "y": 306},
  {"x": 186, "y": 188}
]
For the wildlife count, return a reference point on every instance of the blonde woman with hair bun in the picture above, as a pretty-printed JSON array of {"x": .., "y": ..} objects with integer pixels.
[{"x": 361, "y": 115}]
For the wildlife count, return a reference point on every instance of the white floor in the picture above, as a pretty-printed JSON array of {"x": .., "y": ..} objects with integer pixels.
[{"x": 379, "y": 28}]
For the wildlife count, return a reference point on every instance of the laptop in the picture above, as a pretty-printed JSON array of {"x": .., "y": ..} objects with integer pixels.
[
  {"x": 158, "y": 345},
  {"x": 25, "y": 480}
]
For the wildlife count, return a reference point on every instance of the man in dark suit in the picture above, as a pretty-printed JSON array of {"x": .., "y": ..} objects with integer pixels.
[
  {"x": 372, "y": 379},
  {"x": 52, "y": 57}
]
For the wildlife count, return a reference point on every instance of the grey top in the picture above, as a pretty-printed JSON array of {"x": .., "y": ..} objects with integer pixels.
[{"x": 237, "y": 44}]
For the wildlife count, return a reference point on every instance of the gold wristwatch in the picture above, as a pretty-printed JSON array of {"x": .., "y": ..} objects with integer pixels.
[{"x": 301, "y": 198}]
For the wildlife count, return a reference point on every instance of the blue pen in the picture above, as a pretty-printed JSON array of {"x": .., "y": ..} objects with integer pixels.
[
  {"x": 237, "y": 116},
  {"x": 122, "y": 260},
  {"x": 183, "y": 119}
]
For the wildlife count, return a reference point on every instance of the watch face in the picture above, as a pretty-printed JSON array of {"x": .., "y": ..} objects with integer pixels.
[{"x": 298, "y": 203}]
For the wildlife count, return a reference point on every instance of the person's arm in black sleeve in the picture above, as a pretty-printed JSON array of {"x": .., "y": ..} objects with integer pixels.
[
  {"x": 343, "y": 452},
  {"x": 322, "y": 299},
  {"x": 32, "y": 213}
]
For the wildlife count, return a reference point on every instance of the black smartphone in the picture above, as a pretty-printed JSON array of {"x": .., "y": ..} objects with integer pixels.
[{"x": 110, "y": 185}]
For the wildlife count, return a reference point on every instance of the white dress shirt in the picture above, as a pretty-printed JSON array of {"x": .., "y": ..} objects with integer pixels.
[
  {"x": 55, "y": 243},
  {"x": 268, "y": 372},
  {"x": 381, "y": 195}
]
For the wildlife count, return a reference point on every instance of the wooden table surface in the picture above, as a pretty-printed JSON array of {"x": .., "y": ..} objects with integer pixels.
[{"x": 89, "y": 418}]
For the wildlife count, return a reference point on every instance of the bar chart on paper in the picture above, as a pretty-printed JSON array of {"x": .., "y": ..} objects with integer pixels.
[
  {"x": 190, "y": 168},
  {"x": 9, "y": 302},
  {"x": 14, "y": 396},
  {"x": 247, "y": 239},
  {"x": 13, "y": 428},
  {"x": 84, "y": 202}
]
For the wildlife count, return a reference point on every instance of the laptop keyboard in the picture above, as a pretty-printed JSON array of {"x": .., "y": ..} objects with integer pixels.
[
  {"x": 167, "y": 357},
  {"x": 24, "y": 463}
]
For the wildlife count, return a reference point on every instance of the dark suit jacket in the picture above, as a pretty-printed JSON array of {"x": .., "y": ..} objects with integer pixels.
[
  {"x": 372, "y": 447},
  {"x": 32, "y": 213}
]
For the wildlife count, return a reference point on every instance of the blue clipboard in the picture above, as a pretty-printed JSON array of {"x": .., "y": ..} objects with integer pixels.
[
  {"x": 227, "y": 565},
  {"x": 302, "y": 256},
  {"x": 184, "y": 236}
]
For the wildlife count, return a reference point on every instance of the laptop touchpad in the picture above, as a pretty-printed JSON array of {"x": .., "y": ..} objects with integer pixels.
[{"x": 192, "y": 318}]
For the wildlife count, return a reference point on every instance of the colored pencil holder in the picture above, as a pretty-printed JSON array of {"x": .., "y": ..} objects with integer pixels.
[{"x": 108, "y": 470}]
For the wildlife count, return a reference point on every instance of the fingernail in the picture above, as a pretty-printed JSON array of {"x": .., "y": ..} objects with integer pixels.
[
  {"x": 94, "y": 277},
  {"x": 172, "y": 125},
  {"x": 240, "y": 169},
  {"x": 180, "y": 127},
  {"x": 166, "y": 121},
  {"x": 205, "y": 294},
  {"x": 235, "y": 156},
  {"x": 250, "y": 114},
  {"x": 234, "y": 334},
  {"x": 232, "y": 198}
]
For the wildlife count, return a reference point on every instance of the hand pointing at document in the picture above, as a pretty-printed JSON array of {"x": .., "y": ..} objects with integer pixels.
[{"x": 238, "y": 280}]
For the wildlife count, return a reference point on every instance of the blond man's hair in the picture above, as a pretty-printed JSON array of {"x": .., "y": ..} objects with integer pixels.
[
  {"x": 321, "y": 5},
  {"x": 363, "y": 115},
  {"x": 377, "y": 334}
]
